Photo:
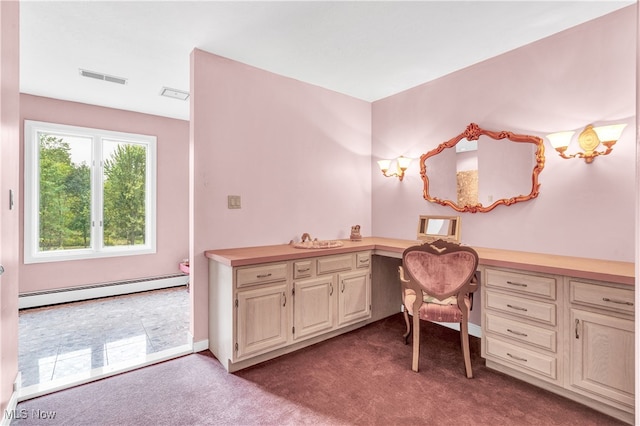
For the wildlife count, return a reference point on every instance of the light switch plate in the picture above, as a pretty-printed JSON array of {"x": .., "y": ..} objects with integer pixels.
[{"x": 233, "y": 201}]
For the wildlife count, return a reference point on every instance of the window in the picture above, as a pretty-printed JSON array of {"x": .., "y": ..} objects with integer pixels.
[{"x": 88, "y": 193}]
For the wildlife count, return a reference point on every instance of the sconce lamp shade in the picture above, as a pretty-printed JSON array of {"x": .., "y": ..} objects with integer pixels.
[
  {"x": 609, "y": 133},
  {"x": 560, "y": 139},
  {"x": 384, "y": 165},
  {"x": 403, "y": 162}
]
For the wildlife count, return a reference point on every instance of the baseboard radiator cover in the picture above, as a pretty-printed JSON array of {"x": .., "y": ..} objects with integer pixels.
[{"x": 94, "y": 291}]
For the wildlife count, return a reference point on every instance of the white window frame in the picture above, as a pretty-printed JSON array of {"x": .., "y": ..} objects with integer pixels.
[{"x": 32, "y": 193}]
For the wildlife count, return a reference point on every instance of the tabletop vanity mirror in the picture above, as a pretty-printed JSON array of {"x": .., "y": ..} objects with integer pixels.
[
  {"x": 431, "y": 228},
  {"x": 480, "y": 169}
]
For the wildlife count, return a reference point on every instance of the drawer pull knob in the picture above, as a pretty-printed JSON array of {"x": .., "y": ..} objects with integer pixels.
[
  {"x": 619, "y": 302},
  {"x": 364, "y": 260},
  {"x": 285, "y": 299},
  {"x": 517, "y": 358},
  {"x": 303, "y": 270},
  {"x": 517, "y": 284},
  {"x": 331, "y": 289},
  {"x": 577, "y": 329},
  {"x": 517, "y": 333},
  {"x": 518, "y": 308},
  {"x": 263, "y": 275}
]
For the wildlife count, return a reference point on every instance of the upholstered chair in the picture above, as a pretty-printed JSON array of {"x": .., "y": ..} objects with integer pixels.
[{"x": 443, "y": 275}]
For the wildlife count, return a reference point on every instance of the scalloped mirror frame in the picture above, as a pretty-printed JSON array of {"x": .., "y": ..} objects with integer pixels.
[{"x": 473, "y": 132}]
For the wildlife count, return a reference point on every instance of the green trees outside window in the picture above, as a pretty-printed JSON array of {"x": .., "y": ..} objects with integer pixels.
[
  {"x": 124, "y": 195},
  {"x": 88, "y": 193},
  {"x": 65, "y": 195}
]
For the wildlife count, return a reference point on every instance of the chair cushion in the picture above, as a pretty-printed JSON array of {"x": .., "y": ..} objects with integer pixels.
[
  {"x": 452, "y": 300},
  {"x": 436, "y": 310}
]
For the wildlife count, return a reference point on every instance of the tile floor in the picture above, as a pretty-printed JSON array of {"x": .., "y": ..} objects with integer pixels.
[{"x": 65, "y": 340}]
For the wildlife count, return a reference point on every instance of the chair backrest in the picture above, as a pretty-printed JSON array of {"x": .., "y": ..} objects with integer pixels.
[{"x": 441, "y": 268}]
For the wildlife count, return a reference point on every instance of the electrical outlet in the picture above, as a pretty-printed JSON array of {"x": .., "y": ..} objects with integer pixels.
[{"x": 233, "y": 201}]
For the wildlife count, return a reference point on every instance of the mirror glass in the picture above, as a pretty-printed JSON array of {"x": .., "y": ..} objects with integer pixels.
[
  {"x": 479, "y": 169},
  {"x": 439, "y": 227}
]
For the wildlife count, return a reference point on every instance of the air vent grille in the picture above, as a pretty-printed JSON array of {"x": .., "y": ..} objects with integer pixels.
[
  {"x": 103, "y": 77},
  {"x": 174, "y": 93}
]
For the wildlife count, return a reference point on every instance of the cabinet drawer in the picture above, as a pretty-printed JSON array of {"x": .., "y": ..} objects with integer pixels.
[
  {"x": 525, "y": 333},
  {"x": 327, "y": 265},
  {"x": 363, "y": 260},
  {"x": 523, "y": 358},
  {"x": 302, "y": 269},
  {"x": 615, "y": 299},
  {"x": 526, "y": 308},
  {"x": 261, "y": 274},
  {"x": 529, "y": 284}
]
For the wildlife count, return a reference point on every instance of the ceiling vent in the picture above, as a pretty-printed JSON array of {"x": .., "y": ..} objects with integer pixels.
[
  {"x": 174, "y": 93},
  {"x": 103, "y": 77}
]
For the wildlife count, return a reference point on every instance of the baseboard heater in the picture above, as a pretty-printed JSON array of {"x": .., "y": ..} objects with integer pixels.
[{"x": 75, "y": 294}]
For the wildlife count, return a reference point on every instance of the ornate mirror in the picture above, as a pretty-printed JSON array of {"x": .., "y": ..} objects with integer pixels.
[{"x": 479, "y": 169}]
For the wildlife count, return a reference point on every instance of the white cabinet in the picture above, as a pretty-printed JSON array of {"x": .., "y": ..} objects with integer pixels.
[
  {"x": 262, "y": 319},
  {"x": 354, "y": 297},
  {"x": 571, "y": 336},
  {"x": 339, "y": 283},
  {"x": 521, "y": 323},
  {"x": 258, "y": 312},
  {"x": 602, "y": 342},
  {"x": 313, "y": 307}
]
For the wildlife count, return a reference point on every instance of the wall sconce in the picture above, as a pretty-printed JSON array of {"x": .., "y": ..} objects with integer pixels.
[
  {"x": 590, "y": 138},
  {"x": 401, "y": 165}
]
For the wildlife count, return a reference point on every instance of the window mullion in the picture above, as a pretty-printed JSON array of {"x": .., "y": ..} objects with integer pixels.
[{"x": 96, "y": 193}]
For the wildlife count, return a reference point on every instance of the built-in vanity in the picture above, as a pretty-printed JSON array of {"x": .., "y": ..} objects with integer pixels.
[{"x": 562, "y": 323}]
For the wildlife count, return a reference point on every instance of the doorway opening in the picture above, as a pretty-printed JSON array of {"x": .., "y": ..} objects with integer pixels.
[{"x": 68, "y": 344}]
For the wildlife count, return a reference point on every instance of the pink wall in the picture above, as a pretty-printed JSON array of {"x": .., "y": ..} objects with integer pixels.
[
  {"x": 9, "y": 148},
  {"x": 637, "y": 228},
  {"x": 584, "y": 75},
  {"x": 172, "y": 196},
  {"x": 298, "y": 155}
]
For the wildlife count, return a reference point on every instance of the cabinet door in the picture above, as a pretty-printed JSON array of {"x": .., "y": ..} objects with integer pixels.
[
  {"x": 262, "y": 319},
  {"x": 354, "y": 295},
  {"x": 312, "y": 306},
  {"x": 602, "y": 355}
]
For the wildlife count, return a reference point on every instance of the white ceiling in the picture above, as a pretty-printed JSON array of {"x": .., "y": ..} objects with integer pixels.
[{"x": 369, "y": 50}]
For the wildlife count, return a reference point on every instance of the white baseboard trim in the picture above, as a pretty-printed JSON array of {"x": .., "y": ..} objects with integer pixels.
[
  {"x": 10, "y": 413},
  {"x": 201, "y": 345},
  {"x": 75, "y": 294}
]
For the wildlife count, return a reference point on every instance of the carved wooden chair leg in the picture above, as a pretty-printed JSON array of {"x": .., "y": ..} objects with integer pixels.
[
  {"x": 406, "y": 320},
  {"x": 464, "y": 335},
  {"x": 416, "y": 342}
]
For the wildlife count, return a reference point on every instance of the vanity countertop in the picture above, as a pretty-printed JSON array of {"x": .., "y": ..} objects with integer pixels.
[{"x": 596, "y": 269}]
